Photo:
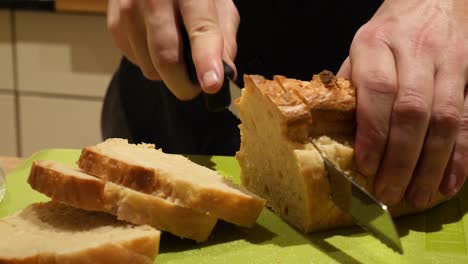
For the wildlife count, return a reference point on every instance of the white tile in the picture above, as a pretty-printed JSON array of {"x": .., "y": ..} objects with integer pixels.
[
  {"x": 6, "y": 51},
  {"x": 64, "y": 53},
  {"x": 58, "y": 123},
  {"x": 7, "y": 125}
]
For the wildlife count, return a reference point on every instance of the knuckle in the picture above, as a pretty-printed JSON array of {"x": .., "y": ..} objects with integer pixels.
[
  {"x": 448, "y": 117},
  {"x": 165, "y": 54},
  {"x": 423, "y": 41},
  {"x": 377, "y": 81},
  {"x": 163, "y": 47},
  {"x": 411, "y": 107},
  {"x": 126, "y": 7},
  {"x": 203, "y": 28},
  {"x": 372, "y": 33}
]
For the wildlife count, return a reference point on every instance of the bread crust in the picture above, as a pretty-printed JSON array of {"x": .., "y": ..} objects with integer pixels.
[
  {"x": 97, "y": 195},
  {"x": 239, "y": 209},
  {"x": 296, "y": 116},
  {"x": 323, "y": 106}
]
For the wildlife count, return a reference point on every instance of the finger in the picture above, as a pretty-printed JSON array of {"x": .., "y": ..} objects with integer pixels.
[
  {"x": 446, "y": 113},
  {"x": 115, "y": 26},
  {"x": 201, "y": 21},
  {"x": 345, "y": 69},
  {"x": 409, "y": 123},
  {"x": 228, "y": 19},
  {"x": 374, "y": 75},
  {"x": 136, "y": 31},
  {"x": 164, "y": 42},
  {"x": 457, "y": 169}
]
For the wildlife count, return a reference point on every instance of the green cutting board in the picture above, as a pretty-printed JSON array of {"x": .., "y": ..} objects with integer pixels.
[{"x": 436, "y": 236}]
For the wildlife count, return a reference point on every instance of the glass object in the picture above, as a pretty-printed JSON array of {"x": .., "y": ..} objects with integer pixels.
[{"x": 2, "y": 182}]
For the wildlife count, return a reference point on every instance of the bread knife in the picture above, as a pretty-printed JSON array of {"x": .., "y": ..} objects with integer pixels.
[
  {"x": 229, "y": 92},
  {"x": 365, "y": 209}
]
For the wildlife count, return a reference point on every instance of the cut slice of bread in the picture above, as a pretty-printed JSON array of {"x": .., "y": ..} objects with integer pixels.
[
  {"x": 54, "y": 233},
  {"x": 171, "y": 177},
  {"x": 279, "y": 119},
  {"x": 75, "y": 188}
]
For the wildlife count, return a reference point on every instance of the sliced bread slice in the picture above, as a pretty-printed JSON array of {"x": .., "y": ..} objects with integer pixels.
[
  {"x": 54, "y": 233},
  {"x": 75, "y": 188},
  {"x": 171, "y": 177}
]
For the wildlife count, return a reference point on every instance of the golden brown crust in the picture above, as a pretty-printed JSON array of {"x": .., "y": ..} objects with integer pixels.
[
  {"x": 239, "y": 209},
  {"x": 296, "y": 116},
  {"x": 331, "y": 102},
  {"x": 293, "y": 110},
  {"x": 323, "y": 106},
  {"x": 138, "y": 208}
]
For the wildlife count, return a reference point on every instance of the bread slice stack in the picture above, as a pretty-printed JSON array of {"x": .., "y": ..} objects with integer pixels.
[
  {"x": 138, "y": 184},
  {"x": 280, "y": 118},
  {"x": 75, "y": 188}
]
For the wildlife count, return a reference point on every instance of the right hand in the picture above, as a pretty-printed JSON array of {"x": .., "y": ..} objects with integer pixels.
[{"x": 147, "y": 32}]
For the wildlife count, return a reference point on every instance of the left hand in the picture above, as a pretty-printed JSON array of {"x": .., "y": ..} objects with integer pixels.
[{"x": 409, "y": 64}]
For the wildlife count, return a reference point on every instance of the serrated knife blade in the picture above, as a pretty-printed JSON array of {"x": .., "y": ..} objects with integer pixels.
[{"x": 365, "y": 210}]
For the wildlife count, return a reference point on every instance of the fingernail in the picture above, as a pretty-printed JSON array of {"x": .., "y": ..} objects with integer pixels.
[
  {"x": 420, "y": 197},
  {"x": 210, "y": 79},
  {"x": 390, "y": 195}
]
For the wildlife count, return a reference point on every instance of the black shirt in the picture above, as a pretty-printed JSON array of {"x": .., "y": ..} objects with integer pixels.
[{"x": 291, "y": 38}]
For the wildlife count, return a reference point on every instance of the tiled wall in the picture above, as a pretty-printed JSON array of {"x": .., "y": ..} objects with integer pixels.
[{"x": 54, "y": 71}]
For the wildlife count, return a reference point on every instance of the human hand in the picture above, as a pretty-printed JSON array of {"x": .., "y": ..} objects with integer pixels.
[
  {"x": 409, "y": 64},
  {"x": 147, "y": 32}
]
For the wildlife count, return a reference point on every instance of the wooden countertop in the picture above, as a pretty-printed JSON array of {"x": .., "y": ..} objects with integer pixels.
[{"x": 10, "y": 163}]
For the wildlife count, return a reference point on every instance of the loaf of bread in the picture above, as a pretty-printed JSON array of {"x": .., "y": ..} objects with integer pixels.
[
  {"x": 279, "y": 118},
  {"x": 75, "y": 188},
  {"x": 54, "y": 233},
  {"x": 171, "y": 177}
]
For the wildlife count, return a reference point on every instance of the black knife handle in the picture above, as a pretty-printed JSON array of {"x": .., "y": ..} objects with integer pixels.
[{"x": 213, "y": 102}]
